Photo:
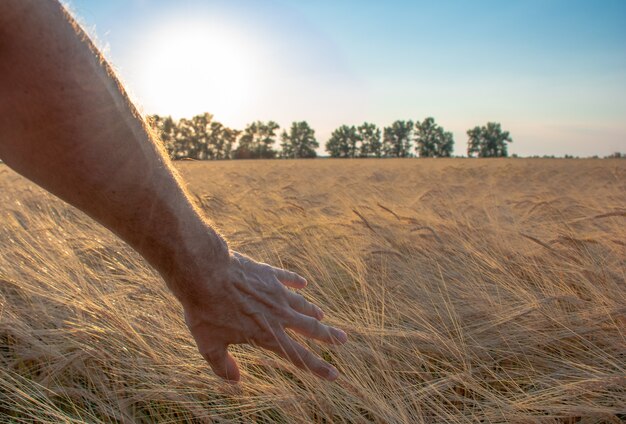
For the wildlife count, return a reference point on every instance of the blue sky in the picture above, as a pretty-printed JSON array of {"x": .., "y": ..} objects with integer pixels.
[{"x": 553, "y": 72}]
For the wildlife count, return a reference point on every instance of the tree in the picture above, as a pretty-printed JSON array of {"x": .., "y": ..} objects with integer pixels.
[
  {"x": 220, "y": 141},
  {"x": 488, "y": 141},
  {"x": 186, "y": 147},
  {"x": 201, "y": 129},
  {"x": 197, "y": 138},
  {"x": 299, "y": 142},
  {"x": 174, "y": 135},
  {"x": 229, "y": 137},
  {"x": 165, "y": 129},
  {"x": 370, "y": 140},
  {"x": 257, "y": 141},
  {"x": 344, "y": 142},
  {"x": 397, "y": 139},
  {"x": 431, "y": 140}
]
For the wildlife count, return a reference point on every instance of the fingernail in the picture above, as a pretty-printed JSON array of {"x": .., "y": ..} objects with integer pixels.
[
  {"x": 332, "y": 373},
  {"x": 319, "y": 313},
  {"x": 341, "y": 335}
]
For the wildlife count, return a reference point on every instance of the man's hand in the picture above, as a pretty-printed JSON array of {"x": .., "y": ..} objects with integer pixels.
[
  {"x": 66, "y": 124},
  {"x": 247, "y": 302}
]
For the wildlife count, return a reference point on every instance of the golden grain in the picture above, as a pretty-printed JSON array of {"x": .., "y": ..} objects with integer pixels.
[{"x": 458, "y": 311}]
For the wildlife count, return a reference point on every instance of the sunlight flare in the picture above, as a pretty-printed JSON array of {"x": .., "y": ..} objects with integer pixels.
[{"x": 184, "y": 68}]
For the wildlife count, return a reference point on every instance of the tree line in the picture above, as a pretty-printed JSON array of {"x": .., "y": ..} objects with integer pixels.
[{"x": 203, "y": 138}]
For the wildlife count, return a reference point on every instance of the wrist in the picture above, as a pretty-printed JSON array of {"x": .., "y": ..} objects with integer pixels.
[{"x": 200, "y": 257}]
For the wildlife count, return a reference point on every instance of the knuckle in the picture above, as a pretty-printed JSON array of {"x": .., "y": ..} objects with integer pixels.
[
  {"x": 267, "y": 339},
  {"x": 273, "y": 286},
  {"x": 276, "y": 270},
  {"x": 286, "y": 314},
  {"x": 262, "y": 323},
  {"x": 314, "y": 326},
  {"x": 299, "y": 302},
  {"x": 310, "y": 308},
  {"x": 311, "y": 361},
  {"x": 299, "y": 360},
  {"x": 269, "y": 270},
  {"x": 323, "y": 332}
]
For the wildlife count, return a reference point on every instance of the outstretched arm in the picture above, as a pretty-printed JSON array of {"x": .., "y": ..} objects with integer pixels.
[{"x": 66, "y": 124}]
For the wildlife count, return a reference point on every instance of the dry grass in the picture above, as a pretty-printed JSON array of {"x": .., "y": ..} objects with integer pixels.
[{"x": 473, "y": 290}]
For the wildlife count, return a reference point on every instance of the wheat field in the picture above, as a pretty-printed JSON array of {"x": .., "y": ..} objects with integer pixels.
[{"x": 472, "y": 290}]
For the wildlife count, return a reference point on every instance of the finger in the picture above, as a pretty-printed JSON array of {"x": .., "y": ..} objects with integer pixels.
[
  {"x": 288, "y": 278},
  {"x": 223, "y": 364},
  {"x": 300, "y": 304},
  {"x": 301, "y": 357},
  {"x": 310, "y": 327}
]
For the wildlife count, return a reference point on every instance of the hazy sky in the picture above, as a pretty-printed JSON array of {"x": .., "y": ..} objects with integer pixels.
[{"x": 553, "y": 72}]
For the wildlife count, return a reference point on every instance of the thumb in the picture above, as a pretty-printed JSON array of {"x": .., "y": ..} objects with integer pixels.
[{"x": 223, "y": 364}]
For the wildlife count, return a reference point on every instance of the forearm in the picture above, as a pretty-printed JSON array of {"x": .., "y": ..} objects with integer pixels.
[{"x": 66, "y": 124}]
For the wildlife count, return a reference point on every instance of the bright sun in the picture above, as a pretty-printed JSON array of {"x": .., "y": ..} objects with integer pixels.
[{"x": 187, "y": 68}]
